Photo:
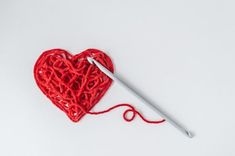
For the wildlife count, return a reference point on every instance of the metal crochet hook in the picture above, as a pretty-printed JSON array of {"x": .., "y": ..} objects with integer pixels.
[{"x": 144, "y": 100}]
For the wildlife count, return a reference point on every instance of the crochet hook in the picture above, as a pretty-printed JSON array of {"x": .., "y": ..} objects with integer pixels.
[{"x": 144, "y": 100}]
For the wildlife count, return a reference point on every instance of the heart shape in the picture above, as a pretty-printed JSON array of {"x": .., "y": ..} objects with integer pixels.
[{"x": 71, "y": 82}]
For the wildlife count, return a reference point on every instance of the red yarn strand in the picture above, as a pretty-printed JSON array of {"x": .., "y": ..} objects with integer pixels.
[{"x": 130, "y": 109}]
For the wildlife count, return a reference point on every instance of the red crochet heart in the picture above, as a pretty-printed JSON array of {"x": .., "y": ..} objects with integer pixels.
[{"x": 71, "y": 82}]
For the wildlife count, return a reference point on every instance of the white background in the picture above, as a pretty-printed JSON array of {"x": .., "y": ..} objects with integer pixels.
[{"x": 178, "y": 53}]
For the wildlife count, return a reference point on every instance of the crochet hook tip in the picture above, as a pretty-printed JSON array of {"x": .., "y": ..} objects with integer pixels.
[{"x": 90, "y": 60}]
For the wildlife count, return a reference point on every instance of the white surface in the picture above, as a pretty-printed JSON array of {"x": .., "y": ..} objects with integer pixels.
[{"x": 178, "y": 53}]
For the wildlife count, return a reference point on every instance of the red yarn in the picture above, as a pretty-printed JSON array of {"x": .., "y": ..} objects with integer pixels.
[{"x": 74, "y": 85}]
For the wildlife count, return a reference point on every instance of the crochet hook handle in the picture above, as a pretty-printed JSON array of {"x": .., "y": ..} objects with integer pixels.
[{"x": 147, "y": 102}]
